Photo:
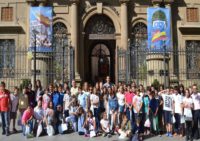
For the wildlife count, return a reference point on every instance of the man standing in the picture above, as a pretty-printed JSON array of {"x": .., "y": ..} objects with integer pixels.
[
  {"x": 108, "y": 83},
  {"x": 196, "y": 115},
  {"x": 4, "y": 108},
  {"x": 74, "y": 89}
]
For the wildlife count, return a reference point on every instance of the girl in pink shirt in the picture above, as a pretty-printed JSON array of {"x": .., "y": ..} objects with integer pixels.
[{"x": 27, "y": 120}]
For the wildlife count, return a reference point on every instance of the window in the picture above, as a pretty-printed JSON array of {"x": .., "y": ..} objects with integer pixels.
[
  {"x": 7, "y": 57},
  {"x": 7, "y": 14},
  {"x": 192, "y": 14},
  {"x": 193, "y": 59}
]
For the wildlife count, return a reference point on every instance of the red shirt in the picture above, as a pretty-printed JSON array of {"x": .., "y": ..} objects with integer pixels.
[
  {"x": 4, "y": 101},
  {"x": 129, "y": 97}
]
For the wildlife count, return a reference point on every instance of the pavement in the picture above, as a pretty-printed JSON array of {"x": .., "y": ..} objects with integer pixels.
[{"x": 76, "y": 137}]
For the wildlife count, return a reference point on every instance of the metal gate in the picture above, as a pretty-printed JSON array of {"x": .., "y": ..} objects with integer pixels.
[{"x": 16, "y": 63}]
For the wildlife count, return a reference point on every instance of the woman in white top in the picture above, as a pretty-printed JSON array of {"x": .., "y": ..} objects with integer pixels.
[
  {"x": 94, "y": 100},
  {"x": 121, "y": 102},
  {"x": 188, "y": 105}
]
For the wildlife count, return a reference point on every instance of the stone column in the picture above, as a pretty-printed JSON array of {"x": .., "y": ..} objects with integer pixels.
[
  {"x": 124, "y": 24},
  {"x": 74, "y": 34}
]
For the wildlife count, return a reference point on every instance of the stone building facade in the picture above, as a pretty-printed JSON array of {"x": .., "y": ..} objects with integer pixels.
[{"x": 98, "y": 30}]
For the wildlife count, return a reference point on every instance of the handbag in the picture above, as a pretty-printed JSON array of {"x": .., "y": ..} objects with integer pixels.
[
  {"x": 182, "y": 119},
  {"x": 64, "y": 127},
  {"x": 173, "y": 119},
  {"x": 27, "y": 130},
  {"x": 92, "y": 134},
  {"x": 50, "y": 130},
  {"x": 39, "y": 130},
  {"x": 147, "y": 123}
]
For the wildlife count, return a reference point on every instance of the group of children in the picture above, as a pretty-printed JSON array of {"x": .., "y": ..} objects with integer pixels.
[{"x": 105, "y": 109}]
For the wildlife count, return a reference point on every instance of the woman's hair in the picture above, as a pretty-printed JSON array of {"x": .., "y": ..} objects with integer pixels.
[
  {"x": 90, "y": 112},
  {"x": 81, "y": 111}
]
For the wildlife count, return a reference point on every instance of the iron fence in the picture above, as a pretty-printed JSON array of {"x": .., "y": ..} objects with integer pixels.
[
  {"x": 17, "y": 67},
  {"x": 177, "y": 66}
]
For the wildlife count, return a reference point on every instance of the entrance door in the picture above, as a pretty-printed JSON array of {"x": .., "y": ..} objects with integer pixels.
[{"x": 100, "y": 62}]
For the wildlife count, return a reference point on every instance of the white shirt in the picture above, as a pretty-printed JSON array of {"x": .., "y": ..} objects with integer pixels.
[
  {"x": 14, "y": 101},
  {"x": 196, "y": 100},
  {"x": 74, "y": 91},
  {"x": 188, "y": 111},
  {"x": 38, "y": 113},
  {"x": 137, "y": 100},
  {"x": 178, "y": 100},
  {"x": 121, "y": 99},
  {"x": 167, "y": 102},
  {"x": 66, "y": 100},
  {"x": 105, "y": 124},
  {"x": 95, "y": 99}
]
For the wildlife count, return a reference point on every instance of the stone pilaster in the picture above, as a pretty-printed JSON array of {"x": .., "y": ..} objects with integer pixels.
[
  {"x": 74, "y": 34},
  {"x": 124, "y": 24}
]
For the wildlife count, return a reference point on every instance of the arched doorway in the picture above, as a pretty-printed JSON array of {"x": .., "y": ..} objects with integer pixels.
[
  {"x": 99, "y": 49},
  {"x": 100, "y": 62}
]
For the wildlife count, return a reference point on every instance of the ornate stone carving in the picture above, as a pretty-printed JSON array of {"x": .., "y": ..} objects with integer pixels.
[{"x": 100, "y": 24}]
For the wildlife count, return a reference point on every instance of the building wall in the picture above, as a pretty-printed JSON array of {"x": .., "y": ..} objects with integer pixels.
[{"x": 18, "y": 29}]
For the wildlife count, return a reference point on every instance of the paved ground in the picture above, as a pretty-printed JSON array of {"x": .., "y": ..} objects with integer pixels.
[{"x": 75, "y": 137}]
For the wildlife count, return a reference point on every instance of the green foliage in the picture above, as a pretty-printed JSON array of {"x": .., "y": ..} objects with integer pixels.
[
  {"x": 24, "y": 83},
  {"x": 156, "y": 84}
]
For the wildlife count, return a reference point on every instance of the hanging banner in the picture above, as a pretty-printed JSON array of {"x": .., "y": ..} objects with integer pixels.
[
  {"x": 40, "y": 29},
  {"x": 159, "y": 29}
]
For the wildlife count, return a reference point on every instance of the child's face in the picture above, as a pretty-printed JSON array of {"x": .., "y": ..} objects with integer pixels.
[
  {"x": 89, "y": 115},
  {"x": 16, "y": 92},
  {"x": 105, "y": 116}
]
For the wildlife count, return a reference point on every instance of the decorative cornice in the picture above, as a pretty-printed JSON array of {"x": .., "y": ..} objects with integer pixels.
[
  {"x": 162, "y": 1},
  {"x": 124, "y": 1},
  {"x": 74, "y": 1}
]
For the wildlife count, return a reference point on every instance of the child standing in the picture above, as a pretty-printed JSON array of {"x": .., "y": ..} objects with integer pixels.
[
  {"x": 137, "y": 105},
  {"x": 121, "y": 102},
  {"x": 168, "y": 108},
  {"x": 153, "y": 110},
  {"x": 66, "y": 103},
  {"x": 14, "y": 106},
  {"x": 188, "y": 106}
]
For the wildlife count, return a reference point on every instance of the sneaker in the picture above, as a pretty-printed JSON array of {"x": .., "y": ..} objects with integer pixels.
[
  {"x": 170, "y": 135},
  {"x": 29, "y": 136},
  {"x": 4, "y": 132},
  {"x": 167, "y": 134},
  {"x": 14, "y": 130},
  {"x": 175, "y": 134},
  {"x": 109, "y": 135},
  {"x": 160, "y": 135},
  {"x": 104, "y": 135}
]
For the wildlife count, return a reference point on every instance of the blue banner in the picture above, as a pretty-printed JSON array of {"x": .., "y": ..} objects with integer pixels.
[
  {"x": 40, "y": 29},
  {"x": 159, "y": 29}
]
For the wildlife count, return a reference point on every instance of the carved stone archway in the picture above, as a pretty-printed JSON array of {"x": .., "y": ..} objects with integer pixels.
[{"x": 99, "y": 29}]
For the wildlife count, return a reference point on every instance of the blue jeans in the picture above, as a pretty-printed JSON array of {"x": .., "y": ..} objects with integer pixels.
[
  {"x": 196, "y": 117},
  {"x": 177, "y": 124},
  {"x": 96, "y": 115},
  {"x": 5, "y": 117},
  {"x": 30, "y": 124}
]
